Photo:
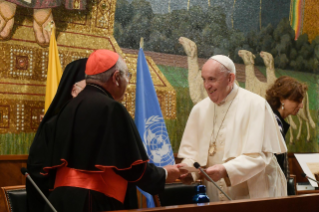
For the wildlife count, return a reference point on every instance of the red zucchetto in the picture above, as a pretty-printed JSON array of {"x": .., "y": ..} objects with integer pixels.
[{"x": 100, "y": 61}]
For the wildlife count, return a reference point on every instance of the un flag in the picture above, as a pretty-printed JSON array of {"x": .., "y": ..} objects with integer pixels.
[{"x": 149, "y": 120}]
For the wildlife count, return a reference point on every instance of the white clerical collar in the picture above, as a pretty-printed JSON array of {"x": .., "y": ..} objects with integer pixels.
[{"x": 231, "y": 95}]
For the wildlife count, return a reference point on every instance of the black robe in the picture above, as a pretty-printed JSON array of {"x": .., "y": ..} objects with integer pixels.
[
  {"x": 73, "y": 73},
  {"x": 282, "y": 158},
  {"x": 94, "y": 132}
]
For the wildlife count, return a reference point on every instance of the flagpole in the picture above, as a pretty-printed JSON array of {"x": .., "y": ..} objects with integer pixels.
[
  {"x": 142, "y": 42},
  {"x": 140, "y": 193}
]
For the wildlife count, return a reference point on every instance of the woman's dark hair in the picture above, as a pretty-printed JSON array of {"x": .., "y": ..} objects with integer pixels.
[{"x": 285, "y": 87}]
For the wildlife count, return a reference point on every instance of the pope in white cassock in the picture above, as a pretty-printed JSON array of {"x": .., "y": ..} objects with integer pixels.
[{"x": 234, "y": 134}]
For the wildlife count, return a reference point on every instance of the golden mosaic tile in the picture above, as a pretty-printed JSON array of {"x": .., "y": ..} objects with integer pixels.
[
  {"x": 19, "y": 115},
  {"x": 311, "y": 19},
  {"x": 24, "y": 63}
]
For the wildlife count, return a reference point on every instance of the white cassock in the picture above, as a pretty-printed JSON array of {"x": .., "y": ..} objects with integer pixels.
[{"x": 246, "y": 135}]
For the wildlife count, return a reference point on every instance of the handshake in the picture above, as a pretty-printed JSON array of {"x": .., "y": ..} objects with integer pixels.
[{"x": 181, "y": 171}]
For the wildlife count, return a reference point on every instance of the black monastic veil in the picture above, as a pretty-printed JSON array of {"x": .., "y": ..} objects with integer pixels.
[{"x": 74, "y": 72}]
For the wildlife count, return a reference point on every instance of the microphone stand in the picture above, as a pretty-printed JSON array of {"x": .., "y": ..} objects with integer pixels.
[
  {"x": 304, "y": 175},
  {"x": 27, "y": 175},
  {"x": 197, "y": 166}
]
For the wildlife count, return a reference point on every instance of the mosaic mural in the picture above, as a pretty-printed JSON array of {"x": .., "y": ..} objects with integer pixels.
[
  {"x": 200, "y": 29},
  {"x": 24, "y": 63}
]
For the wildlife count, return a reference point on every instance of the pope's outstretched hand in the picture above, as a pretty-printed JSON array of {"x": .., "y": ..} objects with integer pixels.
[
  {"x": 173, "y": 172},
  {"x": 216, "y": 172}
]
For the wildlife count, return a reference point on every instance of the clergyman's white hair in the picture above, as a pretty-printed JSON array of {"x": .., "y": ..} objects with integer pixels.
[{"x": 105, "y": 76}]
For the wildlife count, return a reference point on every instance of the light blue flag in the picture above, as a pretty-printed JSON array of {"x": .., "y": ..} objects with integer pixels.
[{"x": 149, "y": 120}]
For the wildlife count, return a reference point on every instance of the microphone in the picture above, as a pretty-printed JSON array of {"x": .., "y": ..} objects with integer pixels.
[
  {"x": 304, "y": 175},
  {"x": 197, "y": 166},
  {"x": 24, "y": 171}
]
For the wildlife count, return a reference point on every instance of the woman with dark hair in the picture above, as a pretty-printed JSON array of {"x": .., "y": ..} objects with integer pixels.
[
  {"x": 71, "y": 84},
  {"x": 285, "y": 98}
]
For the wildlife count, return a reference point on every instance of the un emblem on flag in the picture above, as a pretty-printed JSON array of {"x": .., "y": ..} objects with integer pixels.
[{"x": 157, "y": 141}]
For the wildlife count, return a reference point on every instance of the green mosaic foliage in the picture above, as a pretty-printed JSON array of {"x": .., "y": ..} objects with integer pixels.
[
  {"x": 178, "y": 79},
  {"x": 15, "y": 144}
]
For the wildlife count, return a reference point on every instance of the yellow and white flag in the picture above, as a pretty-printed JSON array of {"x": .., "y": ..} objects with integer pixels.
[{"x": 54, "y": 72}]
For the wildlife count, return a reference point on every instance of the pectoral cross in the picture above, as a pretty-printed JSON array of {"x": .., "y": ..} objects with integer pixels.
[{"x": 212, "y": 149}]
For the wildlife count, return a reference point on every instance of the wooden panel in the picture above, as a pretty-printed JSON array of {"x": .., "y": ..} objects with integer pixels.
[
  {"x": 10, "y": 174},
  {"x": 2, "y": 202},
  {"x": 283, "y": 204},
  {"x": 13, "y": 157},
  {"x": 295, "y": 168},
  {"x": 307, "y": 192}
]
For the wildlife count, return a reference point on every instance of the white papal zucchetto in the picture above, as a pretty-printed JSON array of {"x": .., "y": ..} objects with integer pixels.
[{"x": 225, "y": 61}]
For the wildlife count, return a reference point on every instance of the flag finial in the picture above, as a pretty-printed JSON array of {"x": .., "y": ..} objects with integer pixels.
[{"x": 142, "y": 42}]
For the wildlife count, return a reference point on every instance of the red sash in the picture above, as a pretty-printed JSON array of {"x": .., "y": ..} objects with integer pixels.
[{"x": 107, "y": 182}]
